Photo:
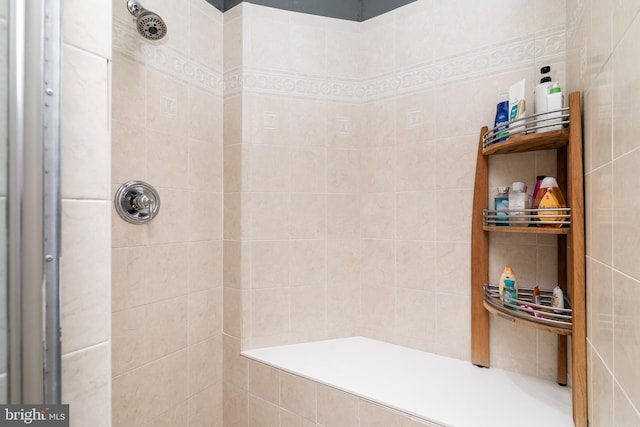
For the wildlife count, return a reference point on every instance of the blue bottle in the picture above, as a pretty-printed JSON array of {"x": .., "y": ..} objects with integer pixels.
[{"x": 502, "y": 116}]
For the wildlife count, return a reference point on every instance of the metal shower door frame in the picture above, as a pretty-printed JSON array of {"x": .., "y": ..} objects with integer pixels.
[{"x": 34, "y": 200}]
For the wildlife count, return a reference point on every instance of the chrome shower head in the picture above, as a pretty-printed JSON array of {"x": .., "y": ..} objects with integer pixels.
[{"x": 149, "y": 24}]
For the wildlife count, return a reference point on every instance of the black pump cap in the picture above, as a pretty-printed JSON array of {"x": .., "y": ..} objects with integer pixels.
[
  {"x": 545, "y": 79},
  {"x": 545, "y": 69}
]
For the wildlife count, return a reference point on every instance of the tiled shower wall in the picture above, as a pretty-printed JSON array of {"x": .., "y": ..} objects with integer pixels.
[
  {"x": 85, "y": 158},
  {"x": 349, "y": 165},
  {"x": 167, "y": 274},
  {"x": 602, "y": 62}
]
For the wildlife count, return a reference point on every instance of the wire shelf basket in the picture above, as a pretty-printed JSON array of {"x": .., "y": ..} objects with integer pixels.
[
  {"x": 524, "y": 308},
  {"x": 536, "y": 123},
  {"x": 548, "y": 217}
]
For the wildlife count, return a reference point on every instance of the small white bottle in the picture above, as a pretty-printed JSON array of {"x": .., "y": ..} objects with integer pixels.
[
  {"x": 555, "y": 100},
  {"x": 518, "y": 202}
]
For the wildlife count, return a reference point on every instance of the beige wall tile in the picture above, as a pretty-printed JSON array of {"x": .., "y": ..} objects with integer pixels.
[
  {"x": 235, "y": 406},
  {"x": 269, "y": 312},
  {"x": 85, "y": 274},
  {"x": 205, "y": 265},
  {"x": 415, "y": 114},
  {"x": 267, "y": 118},
  {"x": 378, "y": 262},
  {"x": 236, "y": 369},
  {"x": 416, "y": 166},
  {"x": 166, "y": 104},
  {"x": 205, "y": 216},
  {"x": 308, "y": 262},
  {"x": 343, "y": 216},
  {"x": 205, "y": 166},
  {"x": 344, "y": 125},
  {"x": 166, "y": 270},
  {"x": 626, "y": 326},
  {"x": 626, "y": 230},
  {"x": 205, "y": 364},
  {"x": 455, "y": 162},
  {"x": 625, "y": 413},
  {"x": 232, "y": 313},
  {"x": 130, "y": 397},
  {"x": 298, "y": 395},
  {"x": 85, "y": 383},
  {"x": 166, "y": 327},
  {"x": 269, "y": 264},
  {"x": 205, "y": 315},
  {"x": 128, "y": 278},
  {"x": 416, "y": 264},
  {"x": 337, "y": 408},
  {"x": 416, "y": 314},
  {"x": 601, "y": 391},
  {"x": 169, "y": 379},
  {"x": 127, "y": 340},
  {"x": 308, "y": 169},
  {"x": 377, "y": 215},
  {"x": 378, "y": 311},
  {"x": 262, "y": 413},
  {"x": 343, "y": 170},
  {"x": 377, "y": 169},
  {"x": 453, "y": 223},
  {"x": 372, "y": 415},
  {"x": 307, "y": 117},
  {"x": 85, "y": 126},
  {"x": 264, "y": 382},
  {"x": 167, "y": 159},
  {"x": 454, "y": 268},
  {"x": 308, "y": 215},
  {"x": 127, "y": 152},
  {"x": 417, "y": 213},
  {"x": 344, "y": 53},
  {"x": 343, "y": 311},
  {"x": 600, "y": 321},
  {"x": 270, "y": 218},
  {"x": 343, "y": 262},
  {"x": 453, "y": 326},
  {"x": 308, "y": 310},
  {"x": 236, "y": 167},
  {"x": 169, "y": 225},
  {"x": 205, "y": 34},
  {"x": 205, "y": 115},
  {"x": 270, "y": 168},
  {"x": 91, "y": 35}
]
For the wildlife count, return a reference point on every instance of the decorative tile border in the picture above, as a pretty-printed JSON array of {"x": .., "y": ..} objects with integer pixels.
[
  {"x": 514, "y": 54},
  {"x": 127, "y": 41}
]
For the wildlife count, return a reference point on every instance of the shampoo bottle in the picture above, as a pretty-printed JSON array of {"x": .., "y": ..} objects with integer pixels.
[
  {"x": 542, "y": 90},
  {"x": 502, "y": 116},
  {"x": 501, "y": 203},
  {"x": 507, "y": 275},
  {"x": 555, "y": 100},
  {"x": 517, "y": 106},
  {"x": 550, "y": 197}
]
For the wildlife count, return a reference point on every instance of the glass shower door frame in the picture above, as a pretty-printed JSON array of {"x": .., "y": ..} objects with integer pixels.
[{"x": 34, "y": 201}]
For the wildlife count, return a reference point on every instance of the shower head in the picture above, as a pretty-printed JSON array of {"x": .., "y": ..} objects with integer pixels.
[{"x": 149, "y": 24}]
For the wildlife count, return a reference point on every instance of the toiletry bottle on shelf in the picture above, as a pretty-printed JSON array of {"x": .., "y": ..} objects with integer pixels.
[
  {"x": 510, "y": 294},
  {"x": 541, "y": 90},
  {"x": 551, "y": 197},
  {"x": 518, "y": 203},
  {"x": 507, "y": 274},
  {"x": 536, "y": 192},
  {"x": 502, "y": 116},
  {"x": 555, "y": 100},
  {"x": 501, "y": 203},
  {"x": 541, "y": 93},
  {"x": 557, "y": 300},
  {"x": 517, "y": 107}
]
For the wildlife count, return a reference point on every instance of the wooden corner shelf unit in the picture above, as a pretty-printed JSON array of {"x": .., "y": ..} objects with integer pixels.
[{"x": 571, "y": 258}]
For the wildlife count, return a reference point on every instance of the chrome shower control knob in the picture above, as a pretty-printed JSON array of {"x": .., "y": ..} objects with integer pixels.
[{"x": 137, "y": 202}]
